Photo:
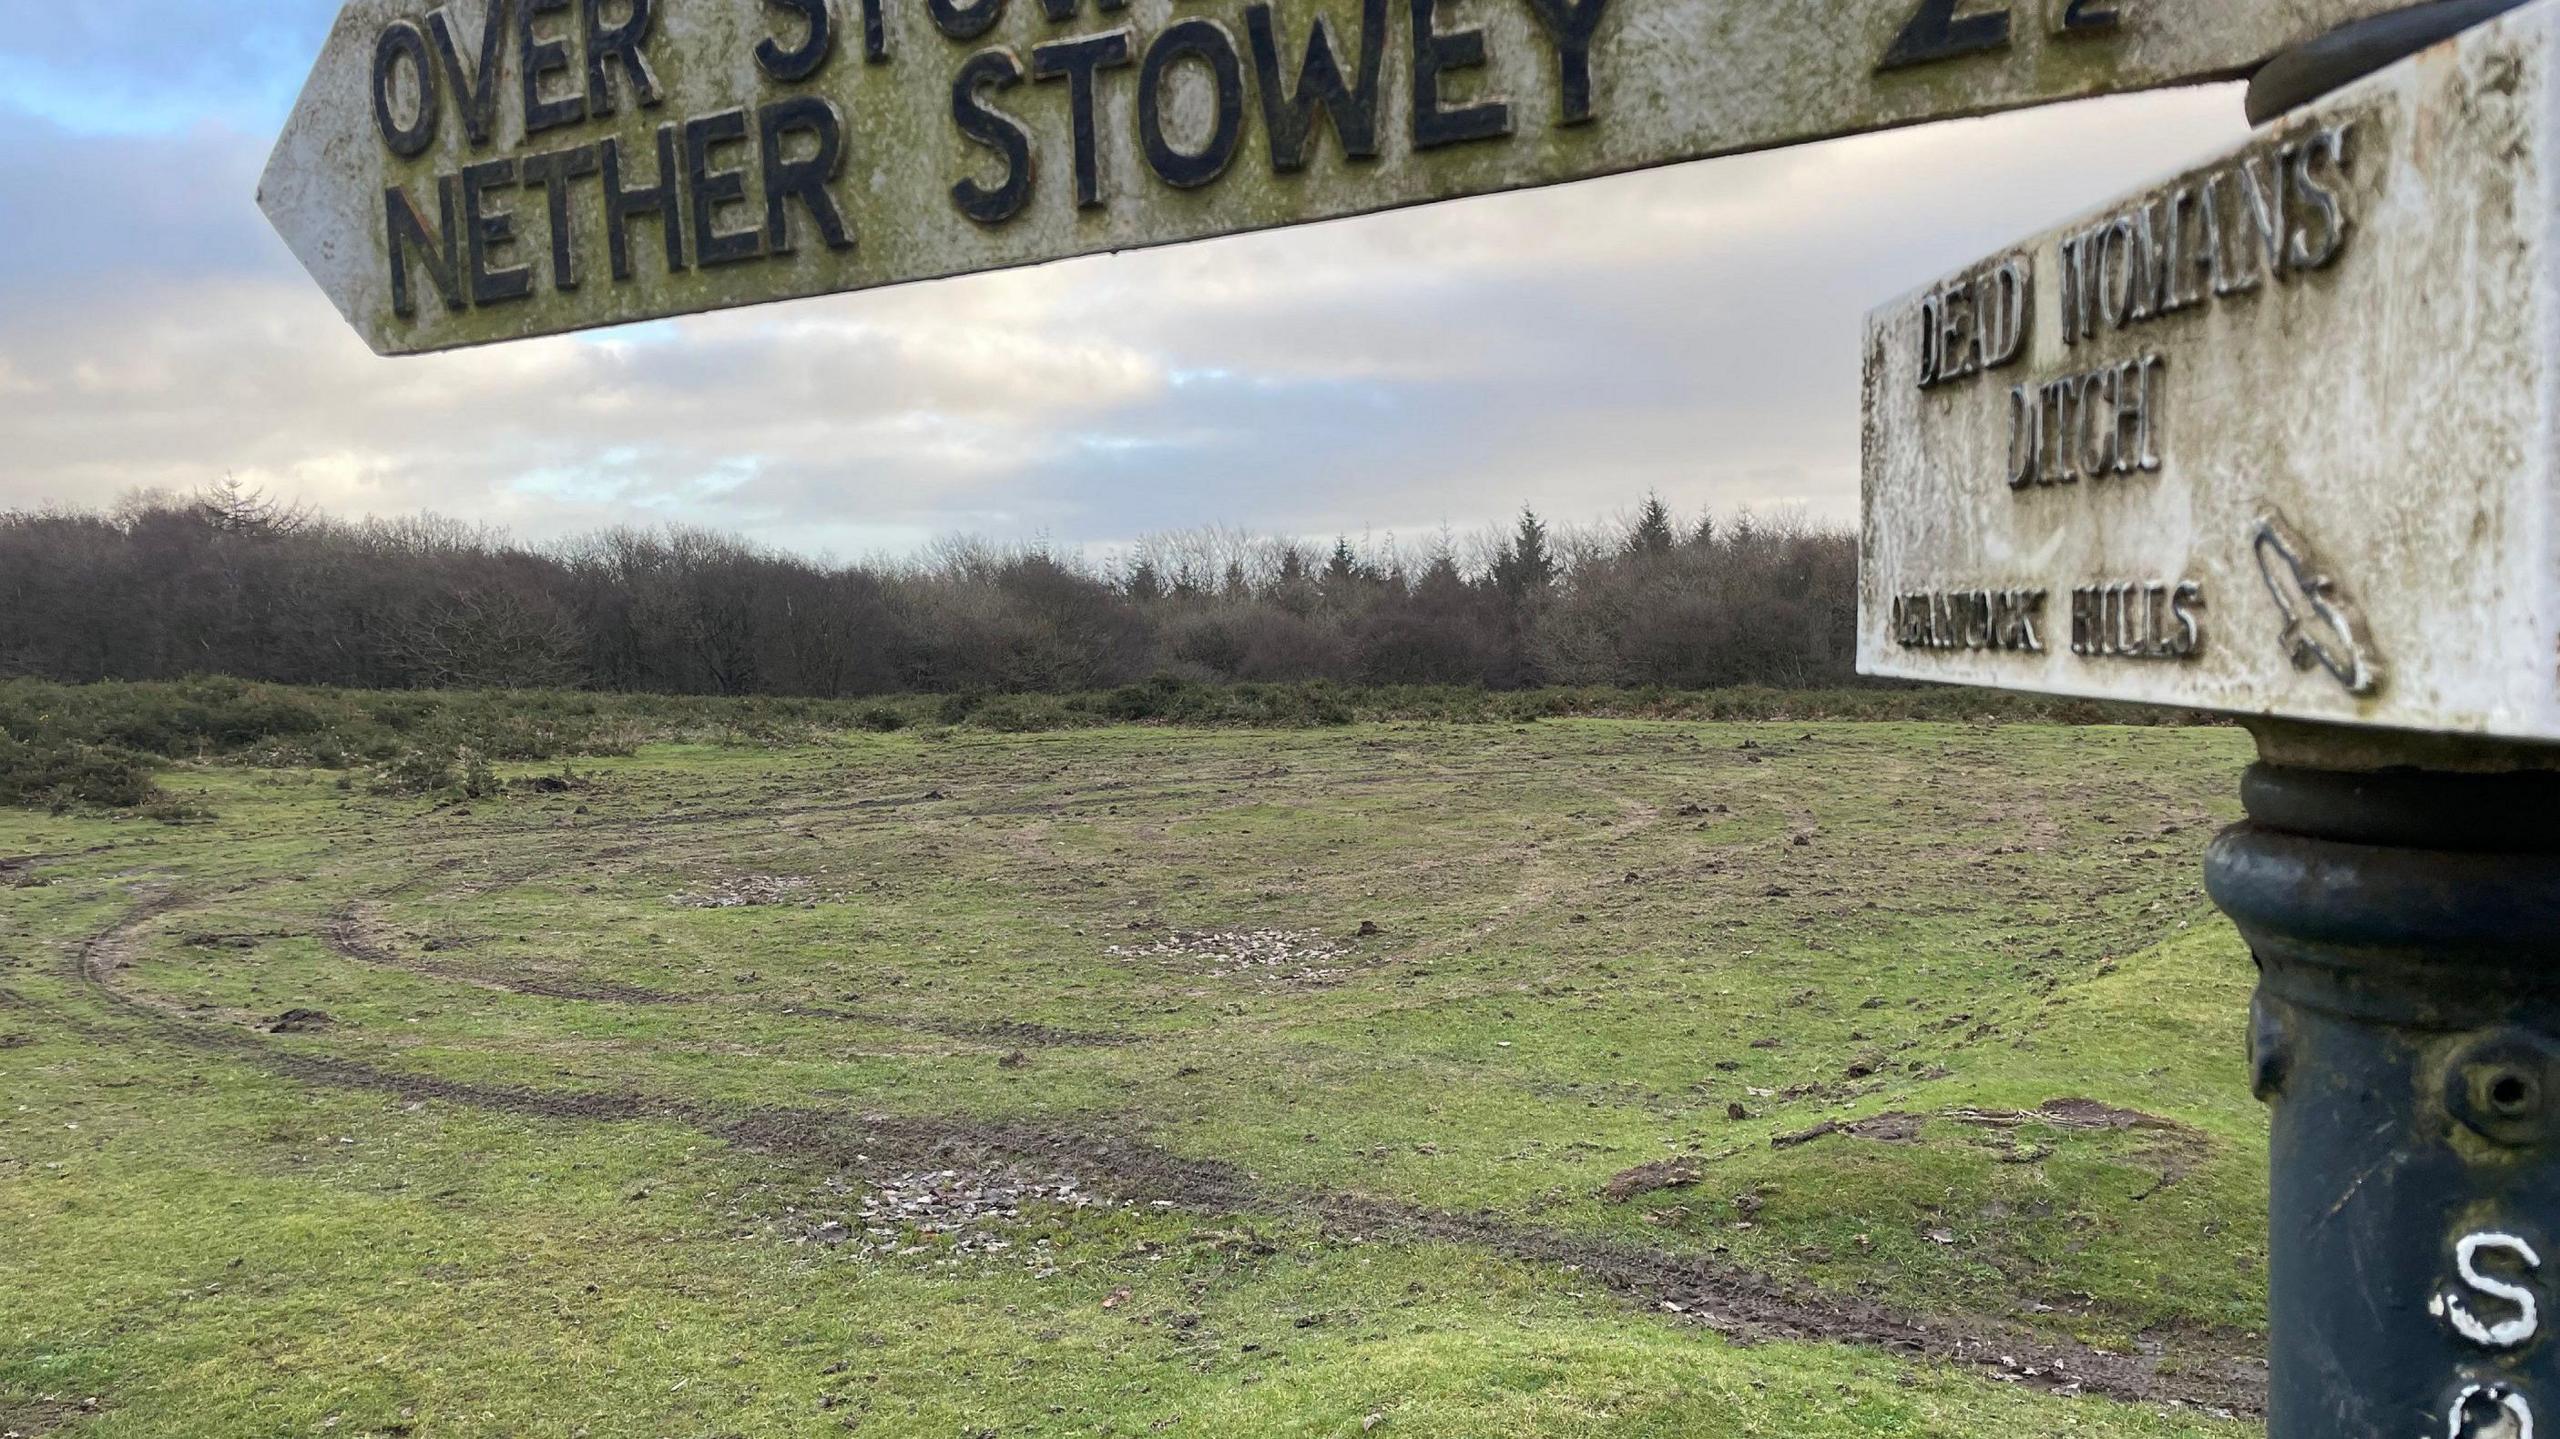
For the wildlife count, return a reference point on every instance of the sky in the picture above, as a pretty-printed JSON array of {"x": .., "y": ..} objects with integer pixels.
[{"x": 1691, "y": 332}]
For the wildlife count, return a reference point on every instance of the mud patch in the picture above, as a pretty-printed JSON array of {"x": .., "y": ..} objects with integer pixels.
[
  {"x": 36, "y": 1418},
  {"x": 1892, "y": 1127},
  {"x": 2090, "y": 1114},
  {"x": 1284, "y": 955},
  {"x": 302, "y": 1021},
  {"x": 21, "y": 874},
  {"x": 2087, "y": 1115},
  {"x": 2175, "y": 1150},
  {"x": 1651, "y": 1179},
  {"x": 224, "y": 941}
]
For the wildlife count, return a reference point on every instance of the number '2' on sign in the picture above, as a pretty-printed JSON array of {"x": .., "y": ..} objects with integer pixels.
[{"x": 1951, "y": 29}]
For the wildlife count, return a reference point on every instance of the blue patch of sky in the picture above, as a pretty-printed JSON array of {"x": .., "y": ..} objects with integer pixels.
[
  {"x": 727, "y": 477},
  {"x": 1248, "y": 450},
  {"x": 579, "y": 485},
  {"x": 157, "y": 67},
  {"x": 1103, "y": 444},
  {"x": 650, "y": 333}
]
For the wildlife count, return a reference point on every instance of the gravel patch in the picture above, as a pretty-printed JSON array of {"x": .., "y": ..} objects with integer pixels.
[{"x": 1290, "y": 954}]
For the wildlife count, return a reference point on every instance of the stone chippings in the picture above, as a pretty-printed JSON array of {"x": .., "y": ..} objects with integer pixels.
[
  {"x": 1276, "y": 953},
  {"x": 954, "y": 1215},
  {"x": 754, "y": 891}
]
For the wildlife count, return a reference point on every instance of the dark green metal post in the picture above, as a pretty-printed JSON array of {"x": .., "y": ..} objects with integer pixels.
[{"x": 2407, "y": 1036}]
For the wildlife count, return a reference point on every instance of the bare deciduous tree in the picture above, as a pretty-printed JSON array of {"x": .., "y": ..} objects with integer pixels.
[{"x": 229, "y": 582}]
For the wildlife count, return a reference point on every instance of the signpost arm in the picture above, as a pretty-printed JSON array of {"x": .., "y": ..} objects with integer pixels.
[
  {"x": 2351, "y": 52},
  {"x": 2401, "y": 895}
]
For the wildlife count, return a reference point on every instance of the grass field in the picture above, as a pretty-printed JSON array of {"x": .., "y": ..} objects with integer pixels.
[{"x": 1574, "y": 1078}]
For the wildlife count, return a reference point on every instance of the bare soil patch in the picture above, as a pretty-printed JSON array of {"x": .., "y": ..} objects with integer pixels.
[
  {"x": 1651, "y": 1179},
  {"x": 2090, "y": 1114},
  {"x": 1888, "y": 1128},
  {"x": 36, "y": 1418}
]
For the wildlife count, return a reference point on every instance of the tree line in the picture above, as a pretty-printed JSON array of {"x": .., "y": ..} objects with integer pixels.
[{"x": 226, "y": 581}]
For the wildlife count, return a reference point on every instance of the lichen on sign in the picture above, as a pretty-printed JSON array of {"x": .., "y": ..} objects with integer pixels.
[
  {"x": 2267, "y": 437},
  {"x": 484, "y": 170}
]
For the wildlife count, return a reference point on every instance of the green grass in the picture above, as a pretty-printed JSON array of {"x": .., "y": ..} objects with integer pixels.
[{"x": 1365, "y": 1181}]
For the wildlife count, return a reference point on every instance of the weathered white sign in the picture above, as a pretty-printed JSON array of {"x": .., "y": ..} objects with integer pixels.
[
  {"x": 2275, "y": 436},
  {"x": 483, "y": 170}
]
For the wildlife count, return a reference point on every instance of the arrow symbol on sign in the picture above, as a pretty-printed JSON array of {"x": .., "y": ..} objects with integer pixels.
[{"x": 2323, "y": 628}]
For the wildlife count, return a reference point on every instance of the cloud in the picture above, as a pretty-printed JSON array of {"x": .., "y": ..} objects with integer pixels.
[
  {"x": 87, "y": 213},
  {"x": 1693, "y": 331}
]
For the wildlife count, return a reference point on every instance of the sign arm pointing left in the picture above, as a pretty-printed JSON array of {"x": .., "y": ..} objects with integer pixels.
[{"x": 473, "y": 171}]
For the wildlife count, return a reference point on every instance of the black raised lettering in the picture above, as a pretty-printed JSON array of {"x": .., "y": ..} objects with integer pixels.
[
  {"x": 965, "y": 21},
  {"x": 411, "y": 234},
  {"x": 1062, "y": 11},
  {"x": 620, "y": 44},
  {"x": 475, "y": 86},
  {"x": 1207, "y": 42},
  {"x": 2183, "y": 607},
  {"x": 992, "y": 70},
  {"x": 489, "y": 230},
  {"x": 1290, "y": 118},
  {"x": 553, "y": 172},
  {"x": 1937, "y": 33},
  {"x": 2263, "y": 208},
  {"x": 543, "y": 59},
  {"x": 805, "y": 180},
  {"x": 2213, "y": 255},
  {"x": 2091, "y": 17},
  {"x": 2325, "y": 150},
  {"x": 1078, "y": 62},
  {"x": 817, "y": 44},
  {"x": 624, "y": 203},
  {"x": 402, "y": 41},
  {"x": 709, "y": 190},
  {"x": 2026, "y": 437},
  {"x": 875, "y": 33},
  {"x": 1572, "y": 24},
  {"x": 1436, "y": 52}
]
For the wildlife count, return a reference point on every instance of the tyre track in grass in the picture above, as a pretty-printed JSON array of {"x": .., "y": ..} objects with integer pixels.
[
  {"x": 653, "y": 828},
  {"x": 2218, "y": 1373},
  {"x": 353, "y": 935}
]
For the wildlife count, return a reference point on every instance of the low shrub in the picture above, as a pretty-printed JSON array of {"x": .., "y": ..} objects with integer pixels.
[
  {"x": 58, "y": 776},
  {"x": 97, "y": 745}
]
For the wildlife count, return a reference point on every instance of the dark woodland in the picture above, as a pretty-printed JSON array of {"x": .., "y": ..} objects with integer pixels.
[{"x": 226, "y": 582}]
